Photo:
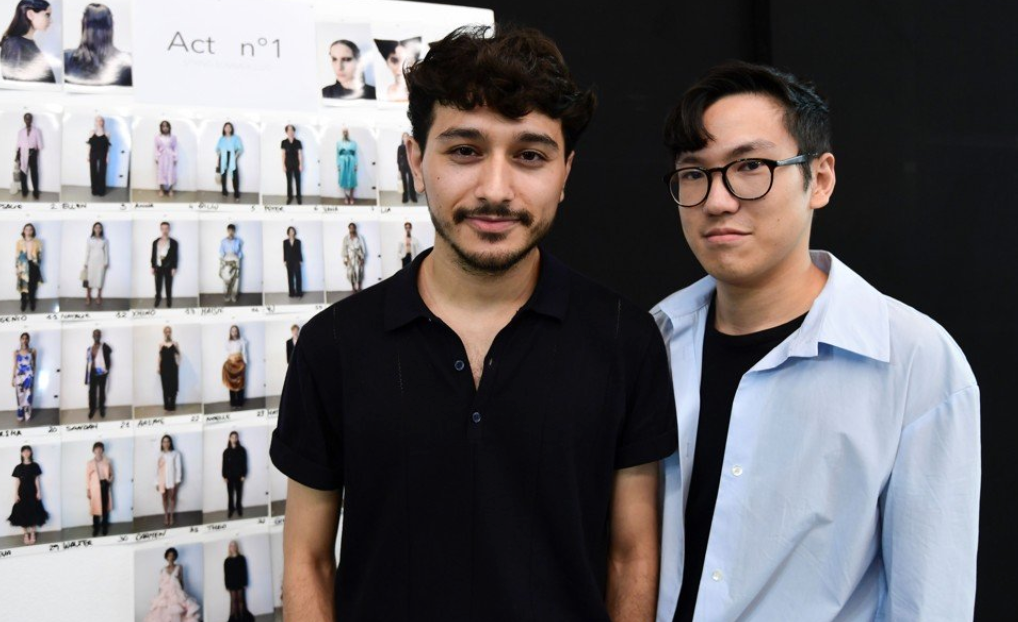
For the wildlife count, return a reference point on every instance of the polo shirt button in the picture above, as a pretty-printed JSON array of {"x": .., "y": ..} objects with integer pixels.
[
  {"x": 716, "y": 575},
  {"x": 459, "y": 365},
  {"x": 476, "y": 417},
  {"x": 737, "y": 470}
]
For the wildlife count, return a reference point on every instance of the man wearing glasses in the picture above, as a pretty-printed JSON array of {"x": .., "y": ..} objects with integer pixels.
[{"x": 829, "y": 459}]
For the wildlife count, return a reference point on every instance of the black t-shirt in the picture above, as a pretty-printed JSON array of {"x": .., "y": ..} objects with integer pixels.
[
  {"x": 464, "y": 504},
  {"x": 726, "y": 358},
  {"x": 292, "y": 149}
]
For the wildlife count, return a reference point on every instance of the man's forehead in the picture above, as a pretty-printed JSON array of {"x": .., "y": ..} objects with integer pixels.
[{"x": 491, "y": 124}]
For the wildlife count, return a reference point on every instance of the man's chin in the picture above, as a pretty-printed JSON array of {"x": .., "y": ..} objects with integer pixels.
[{"x": 495, "y": 259}]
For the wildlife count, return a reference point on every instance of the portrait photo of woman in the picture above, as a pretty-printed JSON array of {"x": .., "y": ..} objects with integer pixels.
[
  {"x": 165, "y": 155},
  {"x": 235, "y": 367},
  {"x": 290, "y": 164},
  {"x": 355, "y": 154},
  {"x": 238, "y": 578},
  {"x": 96, "y": 157},
  {"x": 396, "y": 55},
  {"x": 26, "y": 157},
  {"x": 97, "y": 469},
  {"x": 96, "y": 61},
  {"x": 22, "y": 60},
  {"x": 168, "y": 380},
  {"x": 97, "y": 260},
  {"x": 166, "y": 159},
  {"x": 228, "y": 150},
  {"x": 28, "y": 511},
  {"x": 23, "y": 377},
  {"x": 33, "y": 397},
  {"x": 344, "y": 63},
  {"x": 28, "y": 264},
  {"x": 294, "y": 270},
  {"x": 172, "y": 603},
  {"x": 169, "y": 475},
  {"x": 99, "y": 489},
  {"x": 236, "y": 483},
  {"x": 168, "y": 485}
]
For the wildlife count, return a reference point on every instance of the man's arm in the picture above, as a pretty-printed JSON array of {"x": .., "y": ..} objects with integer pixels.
[
  {"x": 309, "y": 542},
  {"x": 633, "y": 554},
  {"x": 930, "y": 512}
]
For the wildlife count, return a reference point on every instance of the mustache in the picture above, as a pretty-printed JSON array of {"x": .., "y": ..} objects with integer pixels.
[{"x": 500, "y": 210}]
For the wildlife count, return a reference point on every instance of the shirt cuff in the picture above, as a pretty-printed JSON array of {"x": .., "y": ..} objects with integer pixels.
[
  {"x": 298, "y": 468},
  {"x": 647, "y": 450}
]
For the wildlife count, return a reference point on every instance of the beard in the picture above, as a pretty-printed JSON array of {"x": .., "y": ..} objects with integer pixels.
[{"x": 491, "y": 263}]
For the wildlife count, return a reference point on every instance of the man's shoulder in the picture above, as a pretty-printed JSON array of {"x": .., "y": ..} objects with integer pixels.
[
  {"x": 681, "y": 305},
  {"x": 360, "y": 313},
  {"x": 606, "y": 312}
]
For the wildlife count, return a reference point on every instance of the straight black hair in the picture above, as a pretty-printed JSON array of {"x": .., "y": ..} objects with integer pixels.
[
  {"x": 96, "y": 37},
  {"x": 19, "y": 24},
  {"x": 31, "y": 453},
  {"x": 350, "y": 44},
  {"x": 164, "y": 438},
  {"x": 807, "y": 114},
  {"x": 102, "y": 230},
  {"x": 232, "y": 432},
  {"x": 233, "y": 130}
]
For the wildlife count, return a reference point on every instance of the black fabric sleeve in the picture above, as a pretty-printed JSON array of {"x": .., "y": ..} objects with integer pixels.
[
  {"x": 243, "y": 462},
  {"x": 649, "y": 432},
  {"x": 226, "y": 471},
  {"x": 307, "y": 442},
  {"x": 152, "y": 261}
]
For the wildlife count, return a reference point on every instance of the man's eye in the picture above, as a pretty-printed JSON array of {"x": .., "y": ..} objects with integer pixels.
[
  {"x": 464, "y": 152},
  {"x": 532, "y": 156}
]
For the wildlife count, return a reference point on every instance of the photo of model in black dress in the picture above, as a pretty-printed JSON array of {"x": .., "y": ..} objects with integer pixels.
[
  {"x": 169, "y": 369},
  {"x": 28, "y": 511},
  {"x": 98, "y": 157}
]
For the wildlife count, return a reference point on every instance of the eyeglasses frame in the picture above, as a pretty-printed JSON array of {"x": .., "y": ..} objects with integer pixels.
[{"x": 802, "y": 158}]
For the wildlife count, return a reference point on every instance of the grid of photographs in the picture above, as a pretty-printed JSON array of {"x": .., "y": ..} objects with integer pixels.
[
  {"x": 137, "y": 155},
  {"x": 164, "y": 261}
]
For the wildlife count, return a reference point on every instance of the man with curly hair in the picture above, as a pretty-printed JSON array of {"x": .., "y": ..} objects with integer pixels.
[{"x": 497, "y": 453}]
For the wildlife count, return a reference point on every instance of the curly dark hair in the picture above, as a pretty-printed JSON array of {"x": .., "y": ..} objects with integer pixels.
[{"x": 514, "y": 71}]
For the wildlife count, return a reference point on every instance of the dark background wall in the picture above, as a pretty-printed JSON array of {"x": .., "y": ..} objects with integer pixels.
[{"x": 925, "y": 102}]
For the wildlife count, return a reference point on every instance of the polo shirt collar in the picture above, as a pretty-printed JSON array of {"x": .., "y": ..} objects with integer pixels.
[{"x": 403, "y": 302}]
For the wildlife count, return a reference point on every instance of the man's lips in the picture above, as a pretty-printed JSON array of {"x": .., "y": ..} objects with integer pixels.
[
  {"x": 724, "y": 235},
  {"x": 491, "y": 224}
]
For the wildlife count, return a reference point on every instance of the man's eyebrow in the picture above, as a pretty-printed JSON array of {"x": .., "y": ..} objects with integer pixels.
[
  {"x": 464, "y": 133},
  {"x": 538, "y": 138},
  {"x": 732, "y": 154}
]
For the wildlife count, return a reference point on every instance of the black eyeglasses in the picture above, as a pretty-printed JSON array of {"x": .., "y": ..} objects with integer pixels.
[{"x": 747, "y": 179}]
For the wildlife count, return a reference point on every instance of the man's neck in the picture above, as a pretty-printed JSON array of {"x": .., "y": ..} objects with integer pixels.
[
  {"x": 445, "y": 283},
  {"x": 776, "y": 299}
]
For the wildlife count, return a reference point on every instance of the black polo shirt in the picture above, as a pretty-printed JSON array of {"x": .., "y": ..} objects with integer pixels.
[{"x": 475, "y": 505}]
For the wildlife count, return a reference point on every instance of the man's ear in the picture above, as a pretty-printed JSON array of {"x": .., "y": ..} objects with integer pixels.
[
  {"x": 569, "y": 168},
  {"x": 415, "y": 156},
  {"x": 823, "y": 181}
]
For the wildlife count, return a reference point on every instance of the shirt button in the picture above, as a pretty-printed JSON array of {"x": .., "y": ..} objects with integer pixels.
[
  {"x": 716, "y": 575},
  {"x": 737, "y": 470},
  {"x": 459, "y": 365},
  {"x": 476, "y": 417}
]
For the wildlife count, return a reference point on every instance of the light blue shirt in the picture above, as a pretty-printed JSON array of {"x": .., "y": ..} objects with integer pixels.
[
  {"x": 228, "y": 148},
  {"x": 231, "y": 247},
  {"x": 850, "y": 488}
]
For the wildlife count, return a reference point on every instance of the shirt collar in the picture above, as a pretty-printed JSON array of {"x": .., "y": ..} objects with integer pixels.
[
  {"x": 403, "y": 302},
  {"x": 849, "y": 314}
]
